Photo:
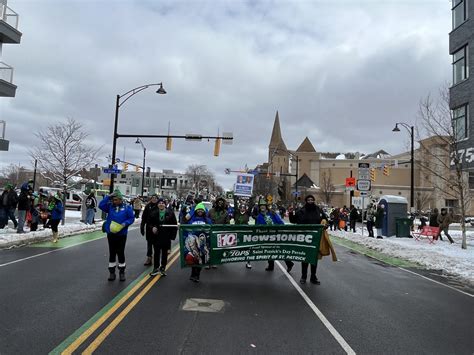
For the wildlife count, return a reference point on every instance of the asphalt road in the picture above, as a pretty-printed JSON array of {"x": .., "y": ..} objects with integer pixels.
[{"x": 362, "y": 306}]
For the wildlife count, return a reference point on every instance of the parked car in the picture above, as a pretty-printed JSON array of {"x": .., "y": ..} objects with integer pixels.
[{"x": 73, "y": 200}]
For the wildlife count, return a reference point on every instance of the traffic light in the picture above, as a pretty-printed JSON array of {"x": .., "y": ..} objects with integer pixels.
[
  {"x": 372, "y": 174},
  {"x": 386, "y": 170},
  {"x": 169, "y": 142},
  {"x": 125, "y": 166},
  {"x": 217, "y": 147}
]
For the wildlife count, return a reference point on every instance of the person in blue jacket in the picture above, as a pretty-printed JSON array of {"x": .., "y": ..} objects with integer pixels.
[
  {"x": 119, "y": 217},
  {"x": 267, "y": 217},
  {"x": 198, "y": 217},
  {"x": 57, "y": 210}
]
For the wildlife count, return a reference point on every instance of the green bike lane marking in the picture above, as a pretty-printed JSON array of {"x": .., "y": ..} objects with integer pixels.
[
  {"x": 70, "y": 240},
  {"x": 375, "y": 254}
]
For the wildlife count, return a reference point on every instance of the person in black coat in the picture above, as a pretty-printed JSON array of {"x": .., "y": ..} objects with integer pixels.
[
  {"x": 157, "y": 223},
  {"x": 310, "y": 213},
  {"x": 353, "y": 217},
  {"x": 434, "y": 218},
  {"x": 8, "y": 202}
]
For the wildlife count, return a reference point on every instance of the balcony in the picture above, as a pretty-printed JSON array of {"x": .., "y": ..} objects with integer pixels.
[
  {"x": 9, "y": 25},
  {"x": 7, "y": 88}
]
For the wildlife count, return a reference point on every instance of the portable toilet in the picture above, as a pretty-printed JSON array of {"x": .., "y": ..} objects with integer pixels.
[{"x": 394, "y": 207}]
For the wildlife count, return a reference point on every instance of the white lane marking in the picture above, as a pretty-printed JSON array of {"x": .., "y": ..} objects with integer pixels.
[
  {"x": 436, "y": 282},
  {"x": 409, "y": 271},
  {"x": 320, "y": 315},
  {"x": 53, "y": 251}
]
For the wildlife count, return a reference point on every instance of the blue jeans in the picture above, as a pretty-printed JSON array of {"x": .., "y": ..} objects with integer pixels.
[
  {"x": 21, "y": 220},
  {"x": 90, "y": 215},
  {"x": 10, "y": 214}
]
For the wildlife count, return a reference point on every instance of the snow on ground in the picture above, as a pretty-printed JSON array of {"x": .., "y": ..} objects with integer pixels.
[{"x": 441, "y": 255}]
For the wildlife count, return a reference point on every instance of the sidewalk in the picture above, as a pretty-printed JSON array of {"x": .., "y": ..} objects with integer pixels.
[{"x": 441, "y": 255}]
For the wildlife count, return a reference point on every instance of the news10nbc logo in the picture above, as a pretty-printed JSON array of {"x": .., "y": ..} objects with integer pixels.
[{"x": 226, "y": 240}]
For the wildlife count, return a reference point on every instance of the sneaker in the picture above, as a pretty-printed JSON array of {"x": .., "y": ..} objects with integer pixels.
[
  {"x": 379, "y": 237},
  {"x": 194, "y": 279},
  {"x": 248, "y": 266},
  {"x": 154, "y": 272},
  {"x": 162, "y": 271},
  {"x": 314, "y": 280},
  {"x": 147, "y": 261},
  {"x": 303, "y": 280},
  {"x": 214, "y": 266},
  {"x": 289, "y": 267},
  {"x": 208, "y": 267}
]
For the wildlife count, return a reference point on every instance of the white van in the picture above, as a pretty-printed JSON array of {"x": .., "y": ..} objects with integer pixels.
[{"x": 73, "y": 200}]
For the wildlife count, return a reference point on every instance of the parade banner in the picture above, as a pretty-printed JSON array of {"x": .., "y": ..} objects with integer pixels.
[{"x": 219, "y": 244}]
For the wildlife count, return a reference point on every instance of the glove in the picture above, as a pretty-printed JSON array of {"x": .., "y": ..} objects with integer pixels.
[
  {"x": 154, "y": 230},
  {"x": 142, "y": 231}
]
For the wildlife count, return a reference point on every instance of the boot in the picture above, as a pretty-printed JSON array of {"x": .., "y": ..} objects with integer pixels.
[
  {"x": 121, "y": 273},
  {"x": 112, "y": 274},
  {"x": 55, "y": 237}
]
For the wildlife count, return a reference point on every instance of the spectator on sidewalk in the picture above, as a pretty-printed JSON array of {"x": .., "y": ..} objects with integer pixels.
[
  {"x": 9, "y": 201},
  {"x": 91, "y": 206},
  {"x": 24, "y": 205},
  {"x": 137, "y": 206},
  {"x": 353, "y": 217},
  {"x": 444, "y": 220},
  {"x": 56, "y": 216},
  {"x": 379, "y": 216}
]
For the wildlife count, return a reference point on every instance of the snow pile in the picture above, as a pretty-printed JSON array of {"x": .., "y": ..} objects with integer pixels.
[{"x": 441, "y": 255}]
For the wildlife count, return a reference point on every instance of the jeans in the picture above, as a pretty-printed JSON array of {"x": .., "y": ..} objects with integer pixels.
[
  {"x": 21, "y": 220},
  {"x": 90, "y": 215}
]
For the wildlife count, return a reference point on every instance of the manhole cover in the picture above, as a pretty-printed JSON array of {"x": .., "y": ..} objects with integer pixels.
[{"x": 203, "y": 305}]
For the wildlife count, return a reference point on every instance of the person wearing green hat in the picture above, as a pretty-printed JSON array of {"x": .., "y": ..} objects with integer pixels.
[
  {"x": 8, "y": 200},
  {"x": 56, "y": 216},
  {"x": 267, "y": 217},
  {"x": 119, "y": 217},
  {"x": 198, "y": 217}
]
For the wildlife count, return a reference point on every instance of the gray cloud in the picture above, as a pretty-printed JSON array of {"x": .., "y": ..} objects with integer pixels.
[{"x": 340, "y": 72}]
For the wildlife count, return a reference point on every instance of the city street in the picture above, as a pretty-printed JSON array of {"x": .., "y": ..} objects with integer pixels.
[{"x": 57, "y": 299}]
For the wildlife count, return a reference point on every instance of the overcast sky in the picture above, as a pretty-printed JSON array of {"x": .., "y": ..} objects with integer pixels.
[{"x": 341, "y": 72}]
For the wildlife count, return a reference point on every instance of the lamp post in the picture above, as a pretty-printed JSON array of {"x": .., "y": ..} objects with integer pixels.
[
  {"x": 139, "y": 141},
  {"x": 120, "y": 100},
  {"x": 410, "y": 130}
]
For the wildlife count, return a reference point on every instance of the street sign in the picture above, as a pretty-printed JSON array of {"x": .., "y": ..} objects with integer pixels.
[
  {"x": 350, "y": 182},
  {"x": 363, "y": 193},
  {"x": 364, "y": 165},
  {"x": 227, "y": 171},
  {"x": 363, "y": 185},
  {"x": 364, "y": 176},
  {"x": 112, "y": 171}
]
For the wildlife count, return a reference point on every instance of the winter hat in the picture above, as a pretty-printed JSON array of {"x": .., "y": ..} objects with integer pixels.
[
  {"x": 200, "y": 206},
  {"x": 117, "y": 194},
  {"x": 161, "y": 199},
  {"x": 309, "y": 196},
  {"x": 262, "y": 201},
  {"x": 57, "y": 197}
]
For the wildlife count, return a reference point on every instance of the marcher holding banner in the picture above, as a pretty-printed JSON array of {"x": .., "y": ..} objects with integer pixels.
[
  {"x": 310, "y": 213},
  {"x": 242, "y": 217},
  {"x": 267, "y": 217},
  {"x": 218, "y": 215},
  {"x": 154, "y": 217},
  {"x": 198, "y": 217}
]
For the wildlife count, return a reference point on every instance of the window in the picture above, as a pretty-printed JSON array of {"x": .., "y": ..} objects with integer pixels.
[
  {"x": 451, "y": 203},
  {"x": 460, "y": 66},
  {"x": 123, "y": 176},
  {"x": 459, "y": 12},
  {"x": 471, "y": 180},
  {"x": 460, "y": 122}
]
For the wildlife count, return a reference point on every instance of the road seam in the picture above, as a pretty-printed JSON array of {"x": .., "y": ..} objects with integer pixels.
[{"x": 347, "y": 348}]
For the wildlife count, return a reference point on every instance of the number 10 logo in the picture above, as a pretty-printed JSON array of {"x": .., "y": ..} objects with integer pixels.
[{"x": 226, "y": 240}]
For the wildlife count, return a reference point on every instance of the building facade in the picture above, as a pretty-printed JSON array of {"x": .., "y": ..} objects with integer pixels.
[
  {"x": 461, "y": 93},
  {"x": 324, "y": 174}
]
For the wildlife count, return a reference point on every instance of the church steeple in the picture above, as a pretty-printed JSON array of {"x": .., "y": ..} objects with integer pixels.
[{"x": 276, "y": 142}]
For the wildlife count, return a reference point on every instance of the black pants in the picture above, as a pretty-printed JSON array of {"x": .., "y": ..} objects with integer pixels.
[
  {"x": 137, "y": 213},
  {"x": 445, "y": 230},
  {"x": 195, "y": 272},
  {"x": 370, "y": 228},
  {"x": 271, "y": 264},
  {"x": 162, "y": 250},
  {"x": 117, "y": 248},
  {"x": 353, "y": 226},
  {"x": 304, "y": 270},
  {"x": 149, "y": 248},
  {"x": 55, "y": 224}
]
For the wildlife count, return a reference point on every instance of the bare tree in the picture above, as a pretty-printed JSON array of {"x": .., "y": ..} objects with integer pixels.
[
  {"x": 422, "y": 200},
  {"x": 15, "y": 174},
  {"x": 62, "y": 151},
  {"x": 327, "y": 187},
  {"x": 443, "y": 165}
]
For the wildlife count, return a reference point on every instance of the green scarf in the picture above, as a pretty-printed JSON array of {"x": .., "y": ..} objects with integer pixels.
[{"x": 162, "y": 215}]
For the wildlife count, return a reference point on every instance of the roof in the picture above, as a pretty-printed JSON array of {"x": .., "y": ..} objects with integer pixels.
[
  {"x": 276, "y": 141},
  {"x": 379, "y": 154},
  {"x": 305, "y": 181},
  {"x": 306, "y": 146}
]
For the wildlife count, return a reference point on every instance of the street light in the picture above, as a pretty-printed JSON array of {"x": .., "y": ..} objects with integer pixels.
[
  {"x": 121, "y": 99},
  {"x": 139, "y": 141},
  {"x": 410, "y": 130}
]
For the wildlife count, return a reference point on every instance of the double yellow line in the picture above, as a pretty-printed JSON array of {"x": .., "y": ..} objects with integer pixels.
[{"x": 106, "y": 332}]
